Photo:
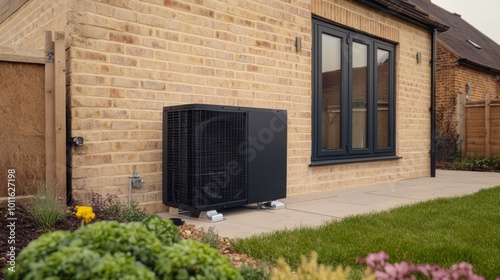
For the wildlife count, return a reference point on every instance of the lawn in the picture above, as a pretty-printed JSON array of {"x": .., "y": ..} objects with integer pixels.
[{"x": 442, "y": 231}]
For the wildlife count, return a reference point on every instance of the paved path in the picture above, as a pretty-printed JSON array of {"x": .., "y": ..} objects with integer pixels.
[{"x": 313, "y": 209}]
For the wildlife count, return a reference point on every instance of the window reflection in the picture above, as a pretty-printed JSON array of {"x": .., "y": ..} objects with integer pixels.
[
  {"x": 383, "y": 72},
  {"x": 331, "y": 88},
  {"x": 359, "y": 94}
]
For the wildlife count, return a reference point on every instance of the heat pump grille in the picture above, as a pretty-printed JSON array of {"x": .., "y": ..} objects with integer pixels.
[{"x": 205, "y": 162}]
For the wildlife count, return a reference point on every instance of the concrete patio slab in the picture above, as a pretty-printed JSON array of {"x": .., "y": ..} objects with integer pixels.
[{"x": 314, "y": 209}]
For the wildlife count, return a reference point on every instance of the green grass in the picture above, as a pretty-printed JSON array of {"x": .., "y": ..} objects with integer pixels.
[
  {"x": 45, "y": 207},
  {"x": 442, "y": 231}
]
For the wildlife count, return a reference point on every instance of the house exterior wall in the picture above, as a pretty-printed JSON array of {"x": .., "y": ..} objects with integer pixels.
[
  {"x": 452, "y": 79},
  {"x": 446, "y": 67},
  {"x": 129, "y": 59},
  {"x": 451, "y": 84},
  {"x": 25, "y": 28},
  {"x": 481, "y": 83},
  {"x": 447, "y": 96}
]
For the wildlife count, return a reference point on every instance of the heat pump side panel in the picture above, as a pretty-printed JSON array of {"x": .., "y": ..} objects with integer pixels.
[{"x": 267, "y": 155}]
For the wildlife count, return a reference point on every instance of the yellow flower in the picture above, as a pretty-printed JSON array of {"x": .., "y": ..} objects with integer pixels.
[{"x": 84, "y": 213}]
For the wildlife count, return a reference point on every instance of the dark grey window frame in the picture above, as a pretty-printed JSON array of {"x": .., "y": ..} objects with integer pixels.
[{"x": 345, "y": 154}]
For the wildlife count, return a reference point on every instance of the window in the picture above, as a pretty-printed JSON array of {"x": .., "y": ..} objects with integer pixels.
[{"x": 353, "y": 96}]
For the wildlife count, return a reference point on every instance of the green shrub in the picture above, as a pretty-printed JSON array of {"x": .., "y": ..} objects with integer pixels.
[
  {"x": 112, "y": 237},
  {"x": 163, "y": 229},
  {"x": 132, "y": 213},
  {"x": 41, "y": 247},
  {"x": 83, "y": 263},
  {"x": 477, "y": 163},
  {"x": 112, "y": 250},
  {"x": 191, "y": 259},
  {"x": 210, "y": 237},
  {"x": 254, "y": 273},
  {"x": 45, "y": 208}
]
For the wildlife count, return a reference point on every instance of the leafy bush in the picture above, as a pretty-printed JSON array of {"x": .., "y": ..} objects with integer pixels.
[
  {"x": 254, "y": 273},
  {"x": 191, "y": 259},
  {"x": 163, "y": 229},
  {"x": 45, "y": 207},
  {"x": 112, "y": 250},
  {"x": 78, "y": 263},
  {"x": 112, "y": 237},
  {"x": 477, "y": 163},
  {"x": 44, "y": 245},
  {"x": 132, "y": 213}
]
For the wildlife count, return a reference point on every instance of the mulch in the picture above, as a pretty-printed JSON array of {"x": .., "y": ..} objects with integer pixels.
[{"x": 27, "y": 230}]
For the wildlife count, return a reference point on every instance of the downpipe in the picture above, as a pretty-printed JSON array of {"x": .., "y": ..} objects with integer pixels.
[{"x": 433, "y": 102}]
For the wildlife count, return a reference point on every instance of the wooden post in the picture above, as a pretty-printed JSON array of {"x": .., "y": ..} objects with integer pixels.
[
  {"x": 50, "y": 156},
  {"x": 60, "y": 112},
  {"x": 487, "y": 126},
  {"x": 461, "y": 122}
]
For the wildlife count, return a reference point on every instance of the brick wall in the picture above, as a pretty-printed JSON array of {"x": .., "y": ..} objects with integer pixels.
[
  {"x": 25, "y": 28},
  {"x": 451, "y": 82},
  {"x": 452, "y": 79},
  {"x": 481, "y": 83},
  {"x": 128, "y": 59}
]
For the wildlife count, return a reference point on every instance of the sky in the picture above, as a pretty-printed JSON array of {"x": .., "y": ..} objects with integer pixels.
[{"x": 484, "y": 15}]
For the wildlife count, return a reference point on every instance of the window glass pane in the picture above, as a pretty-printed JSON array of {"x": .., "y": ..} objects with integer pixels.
[
  {"x": 383, "y": 72},
  {"x": 331, "y": 90},
  {"x": 359, "y": 94}
]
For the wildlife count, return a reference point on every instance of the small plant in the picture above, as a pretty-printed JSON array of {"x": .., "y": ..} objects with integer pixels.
[
  {"x": 163, "y": 229},
  {"x": 210, "y": 237},
  {"x": 477, "y": 163},
  {"x": 85, "y": 214},
  {"x": 46, "y": 208},
  {"x": 109, "y": 208},
  {"x": 405, "y": 270},
  {"x": 132, "y": 213},
  {"x": 254, "y": 273},
  {"x": 311, "y": 270},
  {"x": 104, "y": 207}
]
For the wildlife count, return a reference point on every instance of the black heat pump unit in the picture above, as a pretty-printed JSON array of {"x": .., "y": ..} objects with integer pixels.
[{"x": 217, "y": 157}]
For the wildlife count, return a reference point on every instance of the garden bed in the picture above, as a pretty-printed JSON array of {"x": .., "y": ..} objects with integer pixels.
[{"x": 27, "y": 230}]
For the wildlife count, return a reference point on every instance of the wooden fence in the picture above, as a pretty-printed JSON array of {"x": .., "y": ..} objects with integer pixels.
[
  {"x": 482, "y": 127},
  {"x": 33, "y": 117}
]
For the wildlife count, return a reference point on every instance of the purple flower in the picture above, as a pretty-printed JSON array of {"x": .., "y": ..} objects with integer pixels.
[{"x": 407, "y": 271}]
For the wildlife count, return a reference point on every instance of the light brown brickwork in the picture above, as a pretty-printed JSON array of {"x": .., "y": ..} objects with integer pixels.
[
  {"x": 127, "y": 61},
  {"x": 25, "y": 28},
  {"x": 451, "y": 83}
]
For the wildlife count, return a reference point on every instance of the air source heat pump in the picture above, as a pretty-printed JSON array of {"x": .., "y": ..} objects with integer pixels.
[{"x": 217, "y": 157}]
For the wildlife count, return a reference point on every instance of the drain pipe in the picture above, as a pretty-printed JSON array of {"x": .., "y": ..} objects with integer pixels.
[
  {"x": 433, "y": 102},
  {"x": 136, "y": 182}
]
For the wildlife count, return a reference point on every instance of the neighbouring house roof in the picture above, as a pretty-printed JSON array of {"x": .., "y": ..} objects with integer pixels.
[
  {"x": 408, "y": 11},
  {"x": 469, "y": 44}
]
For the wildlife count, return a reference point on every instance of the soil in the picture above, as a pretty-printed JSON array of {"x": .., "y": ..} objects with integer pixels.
[{"x": 27, "y": 230}]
